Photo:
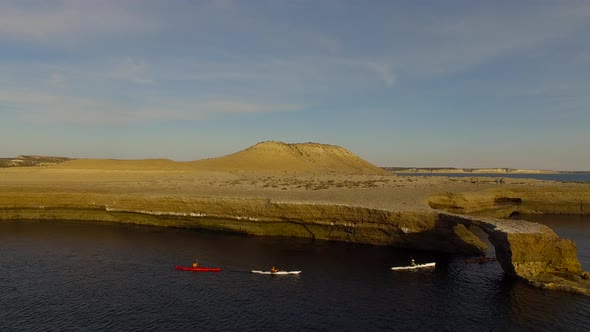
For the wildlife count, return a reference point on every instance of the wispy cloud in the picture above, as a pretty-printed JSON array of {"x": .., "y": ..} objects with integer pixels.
[
  {"x": 130, "y": 69},
  {"x": 56, "y": 78},
  {"x": 283, "y": 73},
  {"x": 385, "y": 71},
  {"x": 115, "y": 63},
  {"x": 477, "y": 34},
  {"x": 86, "y": 111},
  {"x": 66, "y": 20}
]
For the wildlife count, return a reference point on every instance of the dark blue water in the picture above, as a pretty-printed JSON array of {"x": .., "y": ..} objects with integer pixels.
[
  {"x": 84, "y": 276},
  {"x": 565, "y": 177}
]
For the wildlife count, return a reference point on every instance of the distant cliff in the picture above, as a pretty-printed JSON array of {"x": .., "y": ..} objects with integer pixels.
[
  {"x": 451, "y": 170},
  {"x": 28, "y": 161}
]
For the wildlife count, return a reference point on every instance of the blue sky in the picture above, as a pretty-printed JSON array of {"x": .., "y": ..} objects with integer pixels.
[{"x": 400, "y": 83}]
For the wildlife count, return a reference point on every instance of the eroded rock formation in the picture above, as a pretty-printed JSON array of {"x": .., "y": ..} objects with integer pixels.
[
  {"x": 502, "y": 202},
  {"x": 530, "y": 251},
  {"x": 527, "y": 250},
  {"x": 405, "y": 229}
]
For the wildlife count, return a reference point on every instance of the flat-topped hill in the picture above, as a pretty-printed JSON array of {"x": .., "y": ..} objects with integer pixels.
[
  {"x": 277, "y": 156},
  {"x": 265, "y": 156}
]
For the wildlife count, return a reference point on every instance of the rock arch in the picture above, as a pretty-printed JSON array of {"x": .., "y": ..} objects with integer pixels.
[
  {"x": 523, "y": 248},
  {"x": 530, "y": 251}
]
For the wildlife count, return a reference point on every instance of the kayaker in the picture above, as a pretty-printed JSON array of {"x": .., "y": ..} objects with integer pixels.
[
  {"x": 196, "y": 263},
  {"x": 413, "y": 262},
  {"x": 274, "y": 270}
]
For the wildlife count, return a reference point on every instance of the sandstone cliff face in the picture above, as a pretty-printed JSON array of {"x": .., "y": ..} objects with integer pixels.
[
  {"x": 407, "y": 229},
  {"x": 543, "y": 259},
  {"x": 528, "y": 255},
  {"x": 451, "y": 170},
  {"x": 502, "y": 202},
  {"x": 531, "y": 251},
  {"x": 523, "y": 248},
  {"x": 527, "y": 250}
]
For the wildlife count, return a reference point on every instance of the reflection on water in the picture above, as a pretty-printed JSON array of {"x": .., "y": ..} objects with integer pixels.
[{"x": 119, "y": 277}]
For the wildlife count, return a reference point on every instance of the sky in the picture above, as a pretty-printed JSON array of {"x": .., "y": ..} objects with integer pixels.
[{"x": 400, "y": 83}]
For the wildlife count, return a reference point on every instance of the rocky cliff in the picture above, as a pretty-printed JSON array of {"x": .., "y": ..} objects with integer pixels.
[
  {"x": 503, "y": 202},
  {"x": 526, "y": 250},
  {"x": 315, "y": 191},
  {"x": 475, "y": 171},
  {"x": 407, "y": 229},
  {"x": 530, "y": 251}
]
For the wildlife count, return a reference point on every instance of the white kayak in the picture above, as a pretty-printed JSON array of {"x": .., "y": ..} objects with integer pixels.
[
  {"x": 417, "y": 266},
  {"x": 278, "y": 272}
]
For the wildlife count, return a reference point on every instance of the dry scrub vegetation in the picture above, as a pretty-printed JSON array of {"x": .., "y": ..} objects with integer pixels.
[{"x": 310, "y": 173}]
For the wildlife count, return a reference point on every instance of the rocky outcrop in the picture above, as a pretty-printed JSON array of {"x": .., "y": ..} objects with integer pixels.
[
  {"x": 452, "y": 170},
  {"x": 30, "y": 161},
  {"x": 525, "y": 250},
  {"x": 530, "y": 251},
  {"x": 407, "y": 229},
  {"x": 502, "y": 202}
]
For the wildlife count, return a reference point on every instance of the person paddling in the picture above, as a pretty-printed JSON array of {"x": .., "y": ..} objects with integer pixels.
[
  {"x": 413, "y": 262},
  {"x": 196, "y": 263},
  {"x": 274, "y": 270}
]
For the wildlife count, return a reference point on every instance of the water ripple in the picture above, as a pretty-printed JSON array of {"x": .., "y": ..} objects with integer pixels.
[{"x": 88, "y": 277}]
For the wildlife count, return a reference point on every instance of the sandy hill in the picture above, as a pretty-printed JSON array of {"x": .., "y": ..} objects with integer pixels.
[
  {"x": 265, "y": 156},
  {"x": 277, "y": 156}
]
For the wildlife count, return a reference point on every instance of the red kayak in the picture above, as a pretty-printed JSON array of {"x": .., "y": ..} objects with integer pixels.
[{"x": 198, "y": 268}]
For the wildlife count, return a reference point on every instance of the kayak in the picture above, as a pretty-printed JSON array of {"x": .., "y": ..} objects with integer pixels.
[
  {"x": 417, "y": 266},
  {"x": 198, "y": 268},
  {"x": 277, "y": 273},
  {"x": 481, "y": 260}
]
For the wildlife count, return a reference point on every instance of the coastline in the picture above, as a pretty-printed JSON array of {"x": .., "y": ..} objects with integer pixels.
[
  {"x": 453, "y": 170},
  {"x": 401, "y": 211}
]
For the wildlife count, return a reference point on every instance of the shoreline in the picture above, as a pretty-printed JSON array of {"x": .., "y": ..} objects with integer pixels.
[
  {"x": 407, "y": 212},
  {"x": 560, "y": 277},
  {"x": 461, "y": 170}
]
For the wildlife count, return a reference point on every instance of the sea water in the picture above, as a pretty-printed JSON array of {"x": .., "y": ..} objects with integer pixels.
[{"x": 90, "y": 276}]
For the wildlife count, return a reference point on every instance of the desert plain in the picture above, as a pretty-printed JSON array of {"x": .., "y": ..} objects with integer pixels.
[
  {"x": 312, "y": 174},
  {"x": 311, "y": 190}
]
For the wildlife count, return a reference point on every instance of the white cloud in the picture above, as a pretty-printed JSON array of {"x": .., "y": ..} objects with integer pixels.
[
  {"x": 386, "y": 73},
  {"x": 131, "y": 69},
  {"x": 57, "y": 78}
]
